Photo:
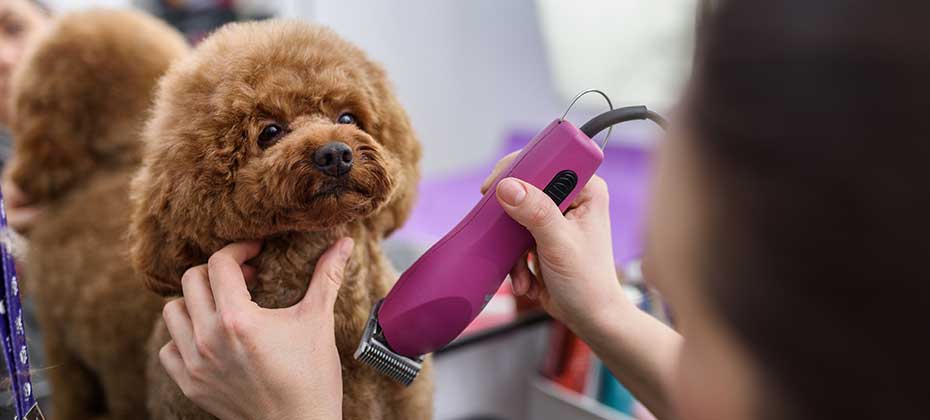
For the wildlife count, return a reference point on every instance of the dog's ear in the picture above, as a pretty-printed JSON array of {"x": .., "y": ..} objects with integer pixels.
[
  {"x": 396, "y": 134},
  {"x": 161, "y": 263},
  {"x": 157, "y": 253}
]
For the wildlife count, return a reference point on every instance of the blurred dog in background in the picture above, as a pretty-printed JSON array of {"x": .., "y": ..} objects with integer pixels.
[{"x": 79, "y": 101}]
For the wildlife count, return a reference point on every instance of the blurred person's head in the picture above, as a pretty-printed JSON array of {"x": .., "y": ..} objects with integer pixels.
[
  {"x": 20, "y": 21},
  {"x": 790, "y": 225}
]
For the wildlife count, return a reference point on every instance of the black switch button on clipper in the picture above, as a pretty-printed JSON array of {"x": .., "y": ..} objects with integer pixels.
[{"x": 561, "y": 186}]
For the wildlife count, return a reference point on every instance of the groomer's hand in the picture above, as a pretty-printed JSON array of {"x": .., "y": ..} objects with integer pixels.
[
  {"x": 21, "y": 215},
  {"x": 575, "y": 278},
  {"x": 239, "y": 361}
]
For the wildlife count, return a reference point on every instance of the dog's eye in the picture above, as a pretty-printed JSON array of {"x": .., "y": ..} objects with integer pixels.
[
  {"x": 347, "y": 118},
  {"x": 270, "y": 135}
]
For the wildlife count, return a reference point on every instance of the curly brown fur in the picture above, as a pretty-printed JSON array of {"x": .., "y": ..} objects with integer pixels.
[
  {"x": 79, "y": 103},
  {"x": 207, "y": 181}
]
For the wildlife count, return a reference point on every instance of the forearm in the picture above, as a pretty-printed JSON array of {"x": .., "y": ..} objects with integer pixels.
[{"x": 641, "y": 352}]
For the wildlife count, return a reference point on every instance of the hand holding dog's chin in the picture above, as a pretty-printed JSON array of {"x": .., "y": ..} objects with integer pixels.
[{"x": 239, "y": 361}]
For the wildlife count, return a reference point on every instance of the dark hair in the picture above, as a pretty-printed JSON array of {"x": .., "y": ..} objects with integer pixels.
[{"x": 812, "y": 118}]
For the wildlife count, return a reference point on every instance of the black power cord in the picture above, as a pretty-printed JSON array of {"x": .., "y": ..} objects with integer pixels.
[{"x": 619, "y": 115}]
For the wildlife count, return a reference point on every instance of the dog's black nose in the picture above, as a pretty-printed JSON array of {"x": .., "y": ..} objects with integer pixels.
[{"x": 334, "y": 158}]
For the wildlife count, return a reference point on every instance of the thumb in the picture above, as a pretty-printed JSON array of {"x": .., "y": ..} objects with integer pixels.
[
  {"x": 531, "y": 208},
  {"x": 327, "y": 277}
]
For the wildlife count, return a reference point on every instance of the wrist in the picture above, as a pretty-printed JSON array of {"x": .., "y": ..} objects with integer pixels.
[
  {"x": 605, "y": 317},
  {"x": 305, "y": 409},
  {"x": 300, "y": 414},
  {"x": 614, "y": 328}
]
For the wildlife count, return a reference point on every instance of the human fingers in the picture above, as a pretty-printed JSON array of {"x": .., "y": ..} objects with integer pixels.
[
  {"x": 181, "y": 329},
  {"x": 593, "y": 197},
  {"x": 533, "y": 209},
  {"x": 21, "y": 219},
  {"x": 227, "y": 280},
  {"x": 498, "y": 168},
  {"x": 521, "y": 277},
  {"x": 327, "y": 277},
  {"x": 170, "y": 357},
  {"x": 198, "y": 298}
]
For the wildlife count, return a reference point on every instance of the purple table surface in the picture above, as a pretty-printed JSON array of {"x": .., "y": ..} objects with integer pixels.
[{"x": 443, "y": 201}]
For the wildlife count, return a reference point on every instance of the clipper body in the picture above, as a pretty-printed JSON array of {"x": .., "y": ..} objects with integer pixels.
[{"x": 443, "y": 291}]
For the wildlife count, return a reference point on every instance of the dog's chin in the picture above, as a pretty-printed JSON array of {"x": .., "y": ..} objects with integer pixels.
[
  {"x": 338, "y": 202},
  {"x": 336, "y": 189}
]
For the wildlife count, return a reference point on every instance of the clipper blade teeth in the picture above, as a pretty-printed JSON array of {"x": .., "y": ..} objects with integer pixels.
[
  {"x": 397, "y": 367},
  {"x": 373, "y": 352}
]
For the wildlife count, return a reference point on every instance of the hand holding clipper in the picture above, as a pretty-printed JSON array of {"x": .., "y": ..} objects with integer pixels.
[{"x": 443, "y": 291}]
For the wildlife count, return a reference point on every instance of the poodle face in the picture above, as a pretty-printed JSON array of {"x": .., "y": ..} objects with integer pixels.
[
  {"x": 268, "y": 128},
  {"x": 305, "y": 164}
]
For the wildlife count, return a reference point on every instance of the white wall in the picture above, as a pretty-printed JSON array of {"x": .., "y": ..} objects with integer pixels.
[
  {"x": 467, "y": 71},
  {"x": 637, "y": 51}
]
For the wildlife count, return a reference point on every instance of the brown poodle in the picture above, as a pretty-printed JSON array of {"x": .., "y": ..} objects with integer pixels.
[
  {"x": 280, "y": 131},
  {"x": 79, "y": 104}
]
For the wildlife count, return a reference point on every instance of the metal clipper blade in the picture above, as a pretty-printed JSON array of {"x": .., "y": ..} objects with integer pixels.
[{"x": 373, "y": 351}]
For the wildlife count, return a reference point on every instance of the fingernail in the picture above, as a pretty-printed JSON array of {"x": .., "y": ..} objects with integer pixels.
[
  {"x": 511, "y": 191},
  {"x": 345, "y": 248},
  {"x": 519, "y": 288}
]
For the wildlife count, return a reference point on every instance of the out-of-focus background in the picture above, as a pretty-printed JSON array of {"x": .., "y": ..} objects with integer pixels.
[
  {"x": 469, "y": 72},
  {"x": 478, "y": 79}
]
